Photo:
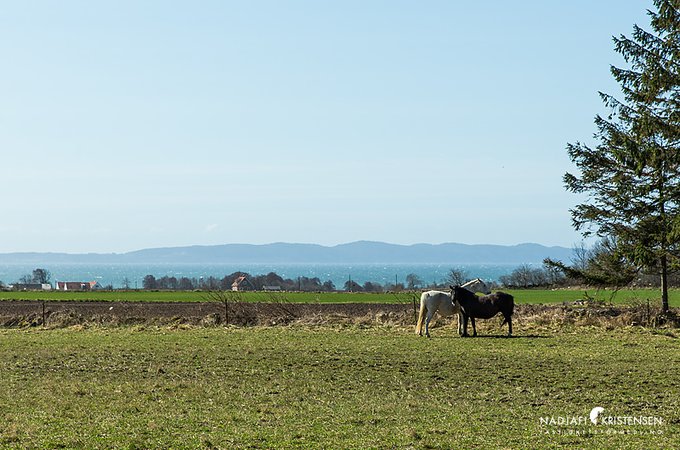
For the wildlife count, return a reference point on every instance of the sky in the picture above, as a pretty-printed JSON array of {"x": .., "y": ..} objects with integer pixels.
[{"x": 137, "y": 124}]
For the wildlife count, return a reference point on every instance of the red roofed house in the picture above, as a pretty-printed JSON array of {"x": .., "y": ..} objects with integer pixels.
[
  {"x": 78, "y": 285},
  {"x": 241, "y": 284}
]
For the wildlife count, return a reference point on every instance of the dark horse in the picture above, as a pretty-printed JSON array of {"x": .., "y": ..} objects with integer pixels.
[{"x": 472, "y": 306}]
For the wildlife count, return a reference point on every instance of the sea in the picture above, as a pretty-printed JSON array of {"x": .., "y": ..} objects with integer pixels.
[{"x": 115, "y": 274}]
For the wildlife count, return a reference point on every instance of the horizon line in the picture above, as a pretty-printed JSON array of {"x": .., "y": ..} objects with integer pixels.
[{"x": 365, "y": 241}]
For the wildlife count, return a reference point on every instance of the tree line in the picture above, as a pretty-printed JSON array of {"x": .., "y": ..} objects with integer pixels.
[
  {"x": 254, "y": 282},
  {"x": 272, "y": 279},
  {"x": 524, "y": 276},
  {"x": 302, "y": 283}
]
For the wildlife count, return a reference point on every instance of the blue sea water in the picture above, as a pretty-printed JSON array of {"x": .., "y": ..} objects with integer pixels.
[{"x": 114, "y": 274}]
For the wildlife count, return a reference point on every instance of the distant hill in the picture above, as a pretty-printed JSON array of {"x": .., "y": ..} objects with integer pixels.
[{"x": 354, "y": 253}]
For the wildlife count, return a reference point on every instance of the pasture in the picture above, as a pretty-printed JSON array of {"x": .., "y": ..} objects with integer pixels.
[
  {"x": 334, "y": 386},
  {"x": 522, "y": 296}
]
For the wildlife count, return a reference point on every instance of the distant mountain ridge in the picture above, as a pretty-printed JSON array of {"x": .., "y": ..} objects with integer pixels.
[{"x": 360, "y": 252}]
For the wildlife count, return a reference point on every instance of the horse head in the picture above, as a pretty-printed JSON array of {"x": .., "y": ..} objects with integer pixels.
[
  {"x": 477, "y": 285},
  {"x": 454, "y": 296}
]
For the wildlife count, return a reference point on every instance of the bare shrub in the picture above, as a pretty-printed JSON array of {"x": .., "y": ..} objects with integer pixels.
[
  {"x": 236, "y": 311},
  {"x": 282, "y": 308}
]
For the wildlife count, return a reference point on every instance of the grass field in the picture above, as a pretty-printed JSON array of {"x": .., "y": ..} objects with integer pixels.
[
  {"x": 532, "y": 296},
  {"x": 332, "y": 388}
]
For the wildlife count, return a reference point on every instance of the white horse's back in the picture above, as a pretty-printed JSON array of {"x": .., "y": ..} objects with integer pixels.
[{"x": 439, "y": 301}]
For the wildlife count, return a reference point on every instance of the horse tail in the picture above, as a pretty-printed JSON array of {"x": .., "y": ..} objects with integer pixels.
[
  {"x": 510, "y": 307},
  {"x": 421, "y": 315}
]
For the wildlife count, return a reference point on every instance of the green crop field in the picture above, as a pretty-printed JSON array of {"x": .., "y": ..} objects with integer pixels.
[
  {"x": 532, "y": 296},
  {"x": 351, "y": 387}
]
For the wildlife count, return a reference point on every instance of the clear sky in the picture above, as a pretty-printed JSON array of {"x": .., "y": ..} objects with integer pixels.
[{"x": 135, "y": 124}]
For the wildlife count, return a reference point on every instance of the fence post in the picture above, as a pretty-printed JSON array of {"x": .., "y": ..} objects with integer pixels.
[
  {"x": 649, "y": 316},
  {"x": 415, "y": 310}
]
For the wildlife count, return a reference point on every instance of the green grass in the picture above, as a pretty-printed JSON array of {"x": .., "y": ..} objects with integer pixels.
[
  {"x": 623, "y": 296},
  {"x": 331, "y": 388},
  {"x": 521, "y": 296}
]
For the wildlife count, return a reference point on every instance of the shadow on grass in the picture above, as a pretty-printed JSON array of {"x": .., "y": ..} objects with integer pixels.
[{"x": 501, "y": 336}]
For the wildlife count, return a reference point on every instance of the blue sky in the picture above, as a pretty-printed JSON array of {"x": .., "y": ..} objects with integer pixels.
[{"x": 128, "y": 124}]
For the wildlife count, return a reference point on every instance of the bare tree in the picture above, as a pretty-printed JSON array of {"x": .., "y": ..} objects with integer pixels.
[
  {"x": 227, "y": 298},
  {"x": 457, "y": 277},
  {"x": 39, "y": 276},
  {"x": 413, "y": 281},
  {"x": 42, "y": 276},
  {"x": 581, "y": 255},
  {"x": 26, "y": 279}
]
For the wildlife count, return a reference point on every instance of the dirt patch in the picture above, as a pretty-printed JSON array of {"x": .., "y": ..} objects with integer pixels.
[
  {"x": 62, "y": 314},
  {"x": 54, "y": 314}
]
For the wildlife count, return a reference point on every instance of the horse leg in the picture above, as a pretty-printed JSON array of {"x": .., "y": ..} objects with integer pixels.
[
  {"x": 465, "y": 322},
  {"x": 508, "y": 320},
  {"x": 474, "y": 327},
  {"x": 460, "y": 323},
  {"x": 427, "y": 323}
]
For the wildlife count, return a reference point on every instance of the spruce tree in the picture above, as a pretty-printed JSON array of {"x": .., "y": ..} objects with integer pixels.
[{"x": 632, "y": 177}]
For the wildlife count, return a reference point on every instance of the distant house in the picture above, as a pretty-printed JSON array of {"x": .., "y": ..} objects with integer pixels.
[
  {"x": 31, "y": 287},
  {"x": 241, "y": 284},
  {"x": 78, "y": 285},
  {"x": 271, "y": 288}
]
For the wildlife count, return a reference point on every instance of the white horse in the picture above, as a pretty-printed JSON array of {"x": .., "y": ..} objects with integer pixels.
[{"x": 433, "y": 301}]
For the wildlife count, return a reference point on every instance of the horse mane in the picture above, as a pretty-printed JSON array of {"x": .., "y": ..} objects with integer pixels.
[{"x": 464, "y": 291}]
